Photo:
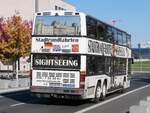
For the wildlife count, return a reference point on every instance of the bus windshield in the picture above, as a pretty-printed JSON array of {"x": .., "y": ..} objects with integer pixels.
[{"x": 57, "y": 25}]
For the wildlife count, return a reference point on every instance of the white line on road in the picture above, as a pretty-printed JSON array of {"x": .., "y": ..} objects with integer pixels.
[
  {"x": 13, "y": 105},
  {"x": 110, "y": 100}
]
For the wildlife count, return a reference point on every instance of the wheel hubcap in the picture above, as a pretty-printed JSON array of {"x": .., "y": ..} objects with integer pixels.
[
  {"x": 98, "y": 92},
  {"x": 104, "y": 90}
]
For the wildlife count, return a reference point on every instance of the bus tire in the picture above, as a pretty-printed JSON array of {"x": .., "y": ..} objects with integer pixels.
[
  {"x": 98, "y": 93},
  {"x": 123, "y": 87},
  {"x": 104, "y": 91}
]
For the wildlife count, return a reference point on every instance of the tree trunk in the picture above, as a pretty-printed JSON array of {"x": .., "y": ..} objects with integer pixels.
[{"x": 17, "y": 70}]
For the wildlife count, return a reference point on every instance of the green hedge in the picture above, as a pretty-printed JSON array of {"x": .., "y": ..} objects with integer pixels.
[{"x": 141, "y": 66}]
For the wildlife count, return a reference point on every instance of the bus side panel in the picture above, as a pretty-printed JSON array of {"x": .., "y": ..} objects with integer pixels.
[{"x": 91, "y": 83}]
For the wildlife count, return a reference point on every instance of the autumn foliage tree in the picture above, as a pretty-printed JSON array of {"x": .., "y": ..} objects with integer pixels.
[
  {"x": 15, "y": 38},
  {"x": 2, "y": 37}
]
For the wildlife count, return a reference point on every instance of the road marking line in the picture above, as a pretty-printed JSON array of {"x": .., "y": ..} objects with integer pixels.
[
  {"x": 112, "y": 99},
  {"x": 13, "y": 105}
]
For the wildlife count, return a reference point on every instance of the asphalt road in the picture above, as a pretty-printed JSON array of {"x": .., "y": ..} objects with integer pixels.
[{"x": 22, "y": 102}]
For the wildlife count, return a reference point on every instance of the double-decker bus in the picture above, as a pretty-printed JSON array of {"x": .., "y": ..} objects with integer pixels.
[{"x": 77, "y": 56}]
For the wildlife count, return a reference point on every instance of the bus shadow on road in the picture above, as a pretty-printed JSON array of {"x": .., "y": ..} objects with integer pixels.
[
  {"x": 25, "y": 97},
  {"x": 64, "y": 102}
]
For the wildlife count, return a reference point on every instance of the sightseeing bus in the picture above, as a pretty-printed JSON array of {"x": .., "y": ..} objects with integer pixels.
[{"x": 76, "y": 56}]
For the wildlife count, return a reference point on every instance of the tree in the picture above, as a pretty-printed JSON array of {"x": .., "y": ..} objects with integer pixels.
[
  {"x": 15, "y": 38},
  {"x": 3, "y": 37}
]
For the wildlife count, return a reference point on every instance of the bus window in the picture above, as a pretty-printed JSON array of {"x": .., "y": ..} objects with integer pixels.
[
  {"x": 95, "y": 65},
  {"x": 129, "y": 41},
  {"x": 108, "y": 68},
  {"x": 100, "y": 30},
  {"x": 120, "y": 66},
  {"x": 91, "y": 27},
  {"x": 57, "y": 25},
  {"x": 124, "y": 39},
  {"x": 115, "y": 38},
  {"x": 119, "y": 36},
  {"x": 110, "y": 34},
  {"x": 102, "y": 33}
]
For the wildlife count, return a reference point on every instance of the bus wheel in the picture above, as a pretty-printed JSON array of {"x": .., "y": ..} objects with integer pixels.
[
  {"x": 98, "y": 93},
  {"x": 123, "y": 87},
  {"x": 104, "y": 91}
]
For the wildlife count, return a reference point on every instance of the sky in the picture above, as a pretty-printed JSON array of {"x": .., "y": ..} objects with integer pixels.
[{"x": 132, "y": 16}]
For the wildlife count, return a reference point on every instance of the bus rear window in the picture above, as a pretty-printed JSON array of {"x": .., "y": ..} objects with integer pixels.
[{"x": 57, "y": 25}]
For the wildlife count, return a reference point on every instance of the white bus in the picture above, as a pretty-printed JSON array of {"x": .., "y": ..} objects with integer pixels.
[{"x": 76, "y": 56}]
